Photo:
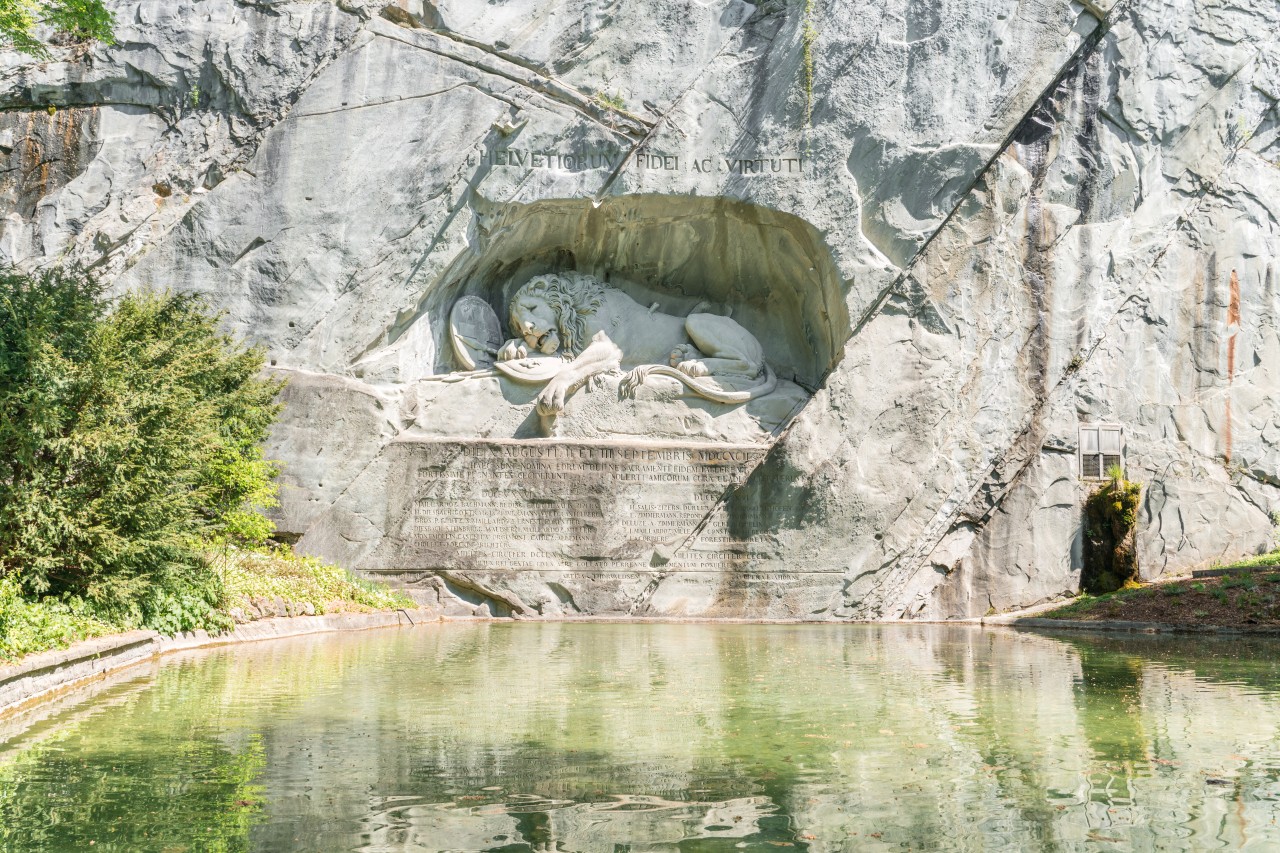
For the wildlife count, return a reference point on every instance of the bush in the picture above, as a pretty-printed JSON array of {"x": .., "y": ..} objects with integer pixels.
[
  {"x": 27, "y": 626},
  {"x": 299, "y": 580},
  {"x": 81, "y": 20},
  {"x": 129, "y": 439}
]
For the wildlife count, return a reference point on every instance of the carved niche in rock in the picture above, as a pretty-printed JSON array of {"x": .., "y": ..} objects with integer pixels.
[{"x": 570, "y": 328}]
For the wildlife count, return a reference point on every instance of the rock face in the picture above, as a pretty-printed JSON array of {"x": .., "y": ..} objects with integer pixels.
[{"x": 958, "y": 232}]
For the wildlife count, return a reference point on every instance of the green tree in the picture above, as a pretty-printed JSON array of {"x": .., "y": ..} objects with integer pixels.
[
  {"x": 82, "y": 20},
  {"x": 129, "y": 440}
]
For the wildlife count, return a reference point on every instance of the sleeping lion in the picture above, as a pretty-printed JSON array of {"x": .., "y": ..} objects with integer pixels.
[{"x": 599, "y": 329}]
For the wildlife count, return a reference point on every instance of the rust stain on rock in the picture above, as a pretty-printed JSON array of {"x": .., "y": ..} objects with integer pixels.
[
  {"x": 1233, "y": 309},
  {"x": 48, "y": 151},
  {"x": 1233, "y": 329}
]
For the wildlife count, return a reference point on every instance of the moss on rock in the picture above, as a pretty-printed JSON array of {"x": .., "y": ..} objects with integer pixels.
[{"x": 1110, "y": 526}]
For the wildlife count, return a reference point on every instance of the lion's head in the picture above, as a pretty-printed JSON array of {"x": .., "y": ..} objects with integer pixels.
[{"x": 550, "y": 311}]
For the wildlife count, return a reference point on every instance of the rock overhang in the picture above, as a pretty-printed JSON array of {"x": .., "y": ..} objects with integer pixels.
[{"x": 770, "y": 270}]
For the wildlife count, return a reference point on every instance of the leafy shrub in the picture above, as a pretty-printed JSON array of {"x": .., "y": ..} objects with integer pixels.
[
  {"x": 613, "y": 101},
  {"x": 129, "y": 438},
  {"x": 297, "y": 579},
  {"x": 28, "y": 626},
  {"x": 80, "y": 20}
]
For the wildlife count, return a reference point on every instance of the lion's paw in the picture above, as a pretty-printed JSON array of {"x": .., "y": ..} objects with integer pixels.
[
  {"x": 551, "y": 399},
  {"x": 632, "y": 382},
  {"x": 693, "y": 367},
  {"x": 683, "y": 352}
]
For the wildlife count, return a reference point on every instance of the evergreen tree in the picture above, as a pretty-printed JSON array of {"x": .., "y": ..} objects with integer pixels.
[
  {"x": 129, "y": 443},
  {"x": 81, "y": 20}
]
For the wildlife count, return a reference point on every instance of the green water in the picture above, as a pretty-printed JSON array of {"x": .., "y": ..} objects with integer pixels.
[{"x": 577, "y": 737}]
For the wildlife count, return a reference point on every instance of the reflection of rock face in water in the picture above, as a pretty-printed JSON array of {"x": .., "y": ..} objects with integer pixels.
[
  {"x": 622, "y": 821},
  {"x": 583, "y": 737}
]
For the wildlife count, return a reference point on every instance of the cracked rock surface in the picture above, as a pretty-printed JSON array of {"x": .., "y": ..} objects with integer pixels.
[{"x": 974, "y": 227}]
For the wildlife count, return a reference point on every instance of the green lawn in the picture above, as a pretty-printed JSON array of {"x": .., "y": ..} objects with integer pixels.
[{"x": 1246, "y": 598}]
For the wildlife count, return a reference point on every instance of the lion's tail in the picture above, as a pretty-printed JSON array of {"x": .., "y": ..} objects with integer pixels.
[{"x": 703, "y": 389}]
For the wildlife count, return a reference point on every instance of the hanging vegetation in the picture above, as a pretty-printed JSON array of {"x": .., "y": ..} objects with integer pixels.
[{"x": 1110, "y": 528}]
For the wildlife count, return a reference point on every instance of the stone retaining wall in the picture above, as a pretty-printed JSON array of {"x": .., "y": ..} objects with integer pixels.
[{"x": 41, "y": 676}]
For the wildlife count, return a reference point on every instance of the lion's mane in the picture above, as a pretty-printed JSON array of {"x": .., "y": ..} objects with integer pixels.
[{"x": 574, "y": 297}]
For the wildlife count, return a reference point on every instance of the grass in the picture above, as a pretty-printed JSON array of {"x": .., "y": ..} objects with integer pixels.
[
  {"x": 1247, "y": 599},
  {"x": 270, "y": 578},
  {"x": 1271, "y": 559},
  {"x": 298, "y": 581}
]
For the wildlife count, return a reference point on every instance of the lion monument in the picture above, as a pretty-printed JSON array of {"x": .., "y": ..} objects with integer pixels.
[{"x": 597, "y": 329}]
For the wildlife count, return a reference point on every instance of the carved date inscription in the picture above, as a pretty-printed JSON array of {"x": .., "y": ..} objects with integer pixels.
[{"x": 511, "y": 506}]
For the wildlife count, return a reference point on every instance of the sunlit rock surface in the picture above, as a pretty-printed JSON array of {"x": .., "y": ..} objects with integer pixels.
[{"x": 959, "y": 230}]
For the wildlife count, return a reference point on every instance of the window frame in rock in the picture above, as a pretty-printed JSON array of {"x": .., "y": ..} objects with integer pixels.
[{"x": 1094, "y": 457}]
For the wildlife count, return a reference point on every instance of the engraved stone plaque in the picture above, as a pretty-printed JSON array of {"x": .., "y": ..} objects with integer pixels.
[{"x": 510, "y": 506}]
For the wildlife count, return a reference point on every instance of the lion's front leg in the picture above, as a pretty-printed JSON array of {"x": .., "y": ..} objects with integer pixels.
[{"x": 601, "y": 356}]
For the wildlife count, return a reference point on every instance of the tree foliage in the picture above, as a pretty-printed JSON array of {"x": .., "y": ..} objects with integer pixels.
[
  {"x": 80, "y": 20},
  {"x": 129, "y": 440}
]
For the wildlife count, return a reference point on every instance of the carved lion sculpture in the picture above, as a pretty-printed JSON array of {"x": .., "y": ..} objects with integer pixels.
[{"x": 600, "y": 329}]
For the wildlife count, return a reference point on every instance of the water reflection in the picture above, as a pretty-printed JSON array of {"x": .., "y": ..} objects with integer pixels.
[{"x": 660, "y": 737}]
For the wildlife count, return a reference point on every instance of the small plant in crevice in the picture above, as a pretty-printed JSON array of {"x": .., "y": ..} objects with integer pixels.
[
  {"x": 1110, "y": 532},
  {"x": 808, "y": 37},
  {"x": 613, "y": 102}
]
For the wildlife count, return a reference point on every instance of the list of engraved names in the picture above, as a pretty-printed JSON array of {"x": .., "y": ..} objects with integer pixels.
[{"x": 499, "y": 506}]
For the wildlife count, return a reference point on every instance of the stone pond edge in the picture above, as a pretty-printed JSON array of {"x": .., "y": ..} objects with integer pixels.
[{"x": 44, "y": 675}]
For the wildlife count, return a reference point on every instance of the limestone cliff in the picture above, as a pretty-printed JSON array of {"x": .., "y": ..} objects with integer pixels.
[{"x": 961, "y": 230}]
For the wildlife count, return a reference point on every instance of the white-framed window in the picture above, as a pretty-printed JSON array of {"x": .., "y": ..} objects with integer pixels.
[{"x": 1101, "y": 446}]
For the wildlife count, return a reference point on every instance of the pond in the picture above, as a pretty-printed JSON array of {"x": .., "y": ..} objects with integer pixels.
[{"x": 631, "y": 737}]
